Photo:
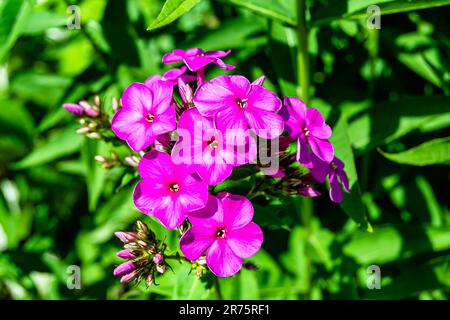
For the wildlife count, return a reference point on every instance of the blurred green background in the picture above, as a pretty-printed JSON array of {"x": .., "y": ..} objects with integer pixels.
[{"x": 385, "y": 92}]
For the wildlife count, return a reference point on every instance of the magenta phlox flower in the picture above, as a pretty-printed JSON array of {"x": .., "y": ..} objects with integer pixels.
[
  {"x": 335, "y": 172},
  {"x": 168, "y": 191},
  {"x": 147, "y": 112},
  {"x": 239, "y": 105},
  {"x": 196, "y": 59},
  {"x": 224, "y": 229},
  {"x": 308, "y": 126}
]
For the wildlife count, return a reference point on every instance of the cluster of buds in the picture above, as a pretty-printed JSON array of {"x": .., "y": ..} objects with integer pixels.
[
  {"x": 95, "y": 122},
  {"x": 297, "y": 183},
  {"x": 109, "y": 162},
  {"x": 144, "y": 255}
]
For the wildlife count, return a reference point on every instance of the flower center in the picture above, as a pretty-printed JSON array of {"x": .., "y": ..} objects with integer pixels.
[
  {"x": 220, "y": 233},
  {"x": 213, "y": 143},
  {"x": 242, "y": 103},
  {"x": 174, "y": 187},
  {"x": 306, "y": 132},
  {"x": 333, "y": 165},
  {"x": 149, "y": 117}
]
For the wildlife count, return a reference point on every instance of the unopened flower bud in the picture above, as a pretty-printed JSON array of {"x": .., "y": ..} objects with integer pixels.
[
  {"x": 158, "y": 258},
  {"x": 126, "y": 254},
  {"x": 97, "y": 100},
  {"x": 201, "y": 261},
  {"x": 186, "y": 93},
  {"x": 92, "y": 112},
  {"x": 100, "y": 158},
  {"x": 74, "y": 108},
  {"x": 115, "y": 104},
  {"x": 126, "y": 237},
  {"x": 161, "y": 268},
  {"x": 131, "y": 162},
  {"x": 114, "y": 156},
  {"x": 141, "y": 226},
  {"x": 125, "y": 268},
  {"x": 83, "y": 130},
  {"x": 150, "y": 279},
  {"x": 128, "y": 277},
  {"x": 94, "y": 135}
]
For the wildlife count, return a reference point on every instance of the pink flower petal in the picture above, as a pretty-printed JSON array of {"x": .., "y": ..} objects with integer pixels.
[
  {"x": 246, "y": 241},
  {"x": 165, "y": 122},
  {"x": 137, "y": 97},
  {"x": 303, "y": 154},
  {"x": 140, "y": 136},
  {"x": 174, "y": 56},
  {"x": 294, "y": 116},
  {"x": 263, "y": 99},
  {"x": 150, "y": 81},
  {"x": 266, "y": 125},
  {"x": 162, "y": 96},
  {"x": 323, "y": 132},
  {"x": 209, "y": 216},
  {"x": 169, "y": 212},
  {"x": 156, "y": 166},
  {"x": 234, "y": 126},
  {"x": 222, "y": 261},
  {"x": 220, "y": 93},
  {"x": 148, "y": 195},
  {"x": 314, "y": 118},
  {"x": 196, "y": 240},
  {"x": 335, "y": 188},
  {"x": 214, "y": 173},
  {"x": 323, "y": 149},
  {"x": 238, "y": 211},
  {"x": 259, "y": 81},
  {"x": 123, "y": 120},
  {"x": 217, "y": 54},
  {"x": 193, "y": 194}
]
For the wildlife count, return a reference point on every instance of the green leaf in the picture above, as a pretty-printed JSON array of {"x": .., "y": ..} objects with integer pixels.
[
  {"x": 172, "y": 10},
  {"x": 16, "y": 128},
  {"x": 13, "y": 17},
  {"x": 357, "y": 9},
  {"x": 390, "y": 120},
  {"x": 281, "y": 11},
  {"x": 352, "y": 203},
  {"x": 59, "y": 144},
  {"x": 40, "y": 21},
  {"x": 394, "y": 6},
  {"x": 95, "y": 174},
  {"x": 436, "y": 151},
  {"x": 431, "y": 275},
  {"x": 390, "y": 243}
]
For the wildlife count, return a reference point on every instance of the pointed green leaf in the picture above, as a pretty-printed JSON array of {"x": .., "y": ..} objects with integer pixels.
[
  {"x": 436, "y": 151},
  {"x": 172, "y": 10}
]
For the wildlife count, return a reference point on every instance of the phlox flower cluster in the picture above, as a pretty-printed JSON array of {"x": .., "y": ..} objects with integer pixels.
[{"x": 217, "y": 123}]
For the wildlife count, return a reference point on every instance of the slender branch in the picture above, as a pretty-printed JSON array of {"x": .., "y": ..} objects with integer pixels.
[{"x": 306, "y": 209}]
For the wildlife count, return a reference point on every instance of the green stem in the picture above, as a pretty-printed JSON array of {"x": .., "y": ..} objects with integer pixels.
[
  {"x": 302, "y": 52},
  {"x": 303, "y": 76},
  {"x": 219, "y": 292}
]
